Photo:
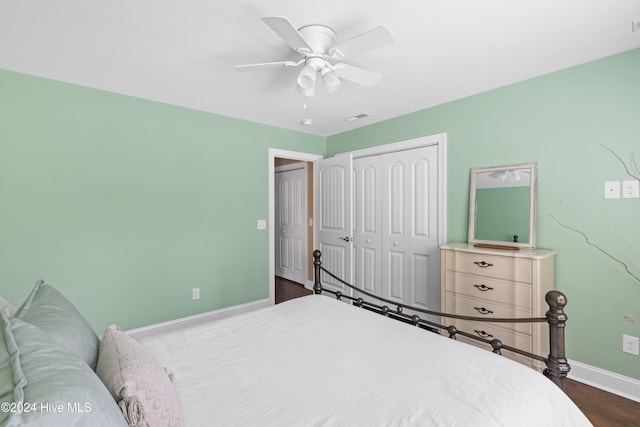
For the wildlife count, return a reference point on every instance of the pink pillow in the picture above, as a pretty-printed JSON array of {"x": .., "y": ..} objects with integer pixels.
[{"x": 137, "y": 381}]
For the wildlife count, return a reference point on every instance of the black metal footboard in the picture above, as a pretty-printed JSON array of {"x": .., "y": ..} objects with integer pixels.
[{"x": 556, "y": 362}]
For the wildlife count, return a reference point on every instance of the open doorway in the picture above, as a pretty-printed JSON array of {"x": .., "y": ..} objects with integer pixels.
[
  {"x": 282, "y": 160},
  {"x": 293, "y": 188}
]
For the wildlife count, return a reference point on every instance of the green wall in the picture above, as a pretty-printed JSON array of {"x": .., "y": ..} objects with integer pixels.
[
  {"x": 560, "y": 121},
  {"x": 125, "y": 205}
]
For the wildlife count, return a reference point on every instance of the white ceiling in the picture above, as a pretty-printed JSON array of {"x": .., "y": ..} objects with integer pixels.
[{"x": 183, "y": 52}]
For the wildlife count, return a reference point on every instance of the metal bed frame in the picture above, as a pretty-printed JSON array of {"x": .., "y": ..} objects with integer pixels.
[{"x": 556, "y": 362}]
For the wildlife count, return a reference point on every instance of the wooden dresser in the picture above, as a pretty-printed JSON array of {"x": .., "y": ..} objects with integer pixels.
[{"x": 497, "y": 283}]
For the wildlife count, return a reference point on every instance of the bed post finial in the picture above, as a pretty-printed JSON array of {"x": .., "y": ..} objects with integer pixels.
[
  {"x": 557, "y": 365},
  {"x": 317, "y": 286}
]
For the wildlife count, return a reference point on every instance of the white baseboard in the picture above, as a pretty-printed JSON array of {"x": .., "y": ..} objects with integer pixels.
[
  {"x": 172, "y": 325},
  {"x": 605, "y": 380}
]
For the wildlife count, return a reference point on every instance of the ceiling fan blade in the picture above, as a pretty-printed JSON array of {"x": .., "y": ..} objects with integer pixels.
[
  {"x": 265, "y": 65},
  {"x": 357, "y": 75},
  {"x": 285, "y": 29},
  {"x": 365, "y": 42}
]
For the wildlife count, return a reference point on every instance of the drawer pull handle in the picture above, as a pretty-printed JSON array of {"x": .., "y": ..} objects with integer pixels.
[
  {"x": 483, "y": 287},
  {"x": 483, "y": 334},
  {"x": 483, "y": 264},
  {"x": 483, "y": 310}
]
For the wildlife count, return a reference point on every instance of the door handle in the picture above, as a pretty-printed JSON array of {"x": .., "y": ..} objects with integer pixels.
[{"x": 346, "y": 238}]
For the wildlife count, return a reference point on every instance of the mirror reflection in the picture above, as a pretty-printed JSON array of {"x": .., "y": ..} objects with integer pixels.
[{"x": 502, "y": 205}]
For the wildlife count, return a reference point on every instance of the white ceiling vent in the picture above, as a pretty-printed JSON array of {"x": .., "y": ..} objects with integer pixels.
[{"x": 357, "y": 117}]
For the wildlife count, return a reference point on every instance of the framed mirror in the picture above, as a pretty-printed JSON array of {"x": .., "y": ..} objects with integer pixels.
[{"x": 502, "y": 206}]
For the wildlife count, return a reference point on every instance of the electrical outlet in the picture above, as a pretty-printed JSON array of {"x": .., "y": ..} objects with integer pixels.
[
  {"x": 631, "y": 345},
  {"x": 631, "y": 189},
  {"x": 635, "y": 25},
  {"x": 195, "y": 293}
]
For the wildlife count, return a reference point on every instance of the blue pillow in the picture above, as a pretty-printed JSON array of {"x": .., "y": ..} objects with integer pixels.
[
  {"x": 6, "y": 304},
  {"x": 42, "y": 384},
  {"x": 50, "y": 311}
]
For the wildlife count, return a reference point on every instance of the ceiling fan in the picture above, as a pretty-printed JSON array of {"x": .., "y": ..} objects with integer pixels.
[{"x": 316, "y": 45}]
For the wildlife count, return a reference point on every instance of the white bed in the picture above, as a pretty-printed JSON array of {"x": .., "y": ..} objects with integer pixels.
[{"x": 315, "y": 361}]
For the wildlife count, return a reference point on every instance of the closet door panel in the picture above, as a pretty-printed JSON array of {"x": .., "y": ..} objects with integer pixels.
[
  {"x": 420, "y": 276},
  {"x": 395, "y": 197},
  {"x": 367, "y": 224},
  {"x": 410, "y": 227},
  {"x": 334, "y": 219},
  {"x": 421, "y": 219},
  {"x": 395, "y": 283}
]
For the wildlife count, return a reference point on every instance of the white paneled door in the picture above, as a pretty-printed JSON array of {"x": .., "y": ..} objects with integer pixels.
[
  {"x": 290, "y": 222},
  {"x": 410, "y": 244},
  {"x": 333, "y": 218},
  {"x": 394, "y": 239}
]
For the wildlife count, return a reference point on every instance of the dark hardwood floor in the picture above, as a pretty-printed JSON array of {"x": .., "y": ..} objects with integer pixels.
[
  {"x": 602, "y": 408},
  {"x": 286, "y": 290}
]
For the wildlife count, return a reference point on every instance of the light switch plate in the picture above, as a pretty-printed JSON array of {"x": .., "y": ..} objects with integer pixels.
[
  {"x": 262, "y": 224},
  {"x": 631, "y": 189},
  {"x": 612, "y": 189}
]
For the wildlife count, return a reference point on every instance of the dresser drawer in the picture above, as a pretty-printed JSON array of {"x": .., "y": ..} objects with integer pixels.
[
  {"x": 527, "y": 361},
  {"x": 488, "y": 265},
  {"x": 477, "y": 307},
  {"x": 510, "y": 293},
  {"x": 490, "y": 331},
  {"x": 510, "y": 338}
]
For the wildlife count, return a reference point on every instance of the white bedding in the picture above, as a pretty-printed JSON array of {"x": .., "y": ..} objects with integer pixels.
[{"x": 314, "y": 361}]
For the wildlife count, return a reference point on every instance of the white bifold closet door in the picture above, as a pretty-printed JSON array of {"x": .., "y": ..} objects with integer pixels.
[
  {"x": 333, "y": 218},
  {"x": 394, "y": 218},
  {"x": 290, "y": 222}
]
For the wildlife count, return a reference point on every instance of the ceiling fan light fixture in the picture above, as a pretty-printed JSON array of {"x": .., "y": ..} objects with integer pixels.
[
  {"x": 307, "y": 77},
  {"x": 507, "y": 175},
  {"x": 331, "y": 80},
  {"x": 514, "y": 175},
  {"x": 501, "y": 175}
]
